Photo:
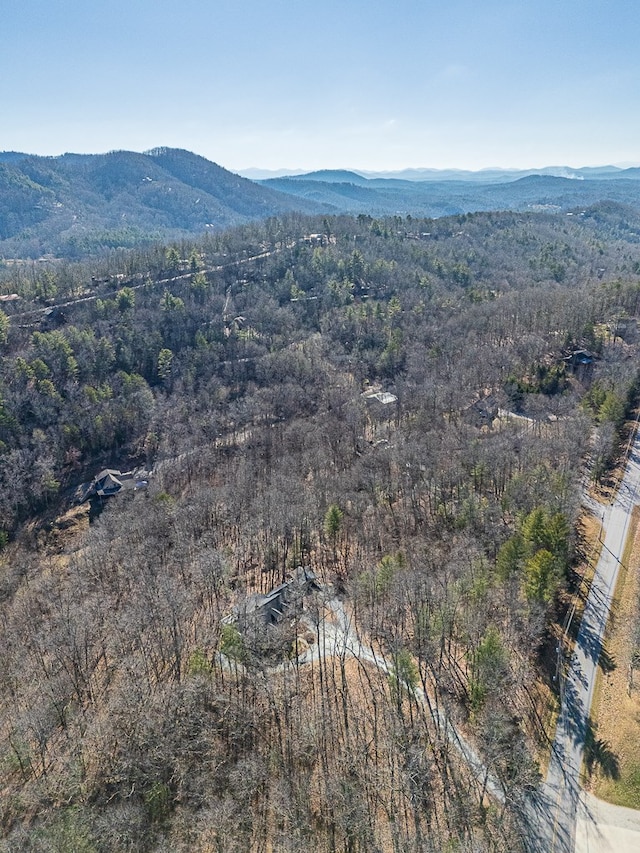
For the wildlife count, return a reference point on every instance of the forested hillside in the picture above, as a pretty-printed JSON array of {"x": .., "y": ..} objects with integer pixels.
[
  {"x": 81, "y": 204},
  {"x": 393, "y": 417}
]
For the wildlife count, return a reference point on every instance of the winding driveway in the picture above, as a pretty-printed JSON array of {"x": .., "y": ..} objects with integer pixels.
[{"x": 338, "y": 638}]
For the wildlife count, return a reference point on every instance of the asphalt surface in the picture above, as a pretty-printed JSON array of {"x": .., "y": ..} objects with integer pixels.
[{"x": 552, "y": 814}]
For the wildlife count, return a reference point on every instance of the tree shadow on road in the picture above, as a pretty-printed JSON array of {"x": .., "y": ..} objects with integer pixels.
[{"x": 594, "y": 647}]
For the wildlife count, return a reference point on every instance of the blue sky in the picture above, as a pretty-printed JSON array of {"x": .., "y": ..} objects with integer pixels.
[{"x": 290, "y": 83}]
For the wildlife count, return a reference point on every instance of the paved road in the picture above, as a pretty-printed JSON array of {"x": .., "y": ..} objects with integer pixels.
[{"x": 552, "y": 816}]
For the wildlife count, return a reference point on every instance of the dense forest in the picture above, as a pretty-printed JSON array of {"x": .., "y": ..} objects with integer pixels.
[{"x": 390, "y": 421}]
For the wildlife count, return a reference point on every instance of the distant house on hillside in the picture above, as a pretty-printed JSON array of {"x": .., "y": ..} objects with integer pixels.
[
  {"x": 482, "y": 412},
  {"x": 384, "y": 397},
  {"x": 106, "y": 484},
  {"x": 316, "y": 239},
  {"x": 580, "y": 363},
  {"x": 52, "y": 318},
  {"x": 578, "y": 357}
]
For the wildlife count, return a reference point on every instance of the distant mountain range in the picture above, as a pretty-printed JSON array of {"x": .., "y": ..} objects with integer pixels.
[
  {"x": 77, "y": 204},
  {"x": 481, "y": 176},
  {"x": 352, "y": 192}
]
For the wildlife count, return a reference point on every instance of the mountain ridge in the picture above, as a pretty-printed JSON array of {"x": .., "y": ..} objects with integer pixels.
[
  {"x": 78, "y": 203},
  {"x": 486, "y": 175},
  {"x": 72, "y": 204},
  {"x": 385, "y": 196}
]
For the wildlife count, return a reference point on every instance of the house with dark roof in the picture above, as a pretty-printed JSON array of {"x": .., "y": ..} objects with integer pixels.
[
  {"x": 106, "y": 484},
  {"x": 52, "y": 318},
  {"x": 580, "y": 363},
  {"x": 482, "y": 412},
  {"x": 284, "y": 600},
  {"x": 579, "y": 357}
]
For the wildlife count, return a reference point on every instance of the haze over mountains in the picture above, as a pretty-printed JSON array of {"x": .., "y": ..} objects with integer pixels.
[
  {"x": 355, "y": 193},
  {"x": 480, "y": 175},
  {"x": 77, "y": 204}
]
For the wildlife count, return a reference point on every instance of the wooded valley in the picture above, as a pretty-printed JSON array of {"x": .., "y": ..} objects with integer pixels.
[{"x": 394, "y": 420}]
